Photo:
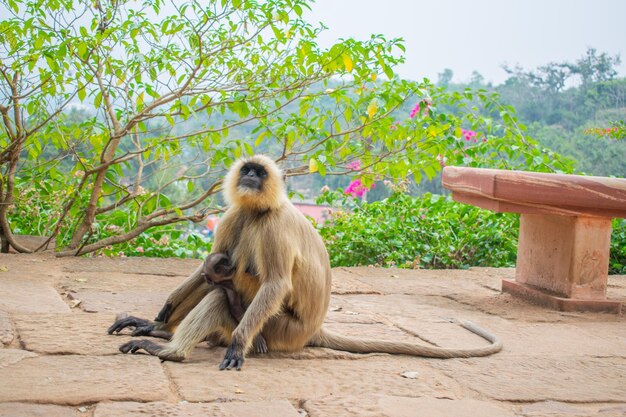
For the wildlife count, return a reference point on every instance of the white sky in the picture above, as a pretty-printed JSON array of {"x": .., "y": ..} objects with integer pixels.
[{"x": 479, "y": 34}]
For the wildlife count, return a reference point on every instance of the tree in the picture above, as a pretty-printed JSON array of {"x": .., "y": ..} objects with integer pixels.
[
  {"x": 445, "y": 78},
  {"x": 174, "y": 92},
  {"x": 594, "y": 67},
  {"x": 552, "y": 77},
  {"x": 477, "y": 80}
]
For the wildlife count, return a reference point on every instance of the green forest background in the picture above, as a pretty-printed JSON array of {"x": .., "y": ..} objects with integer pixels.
[{"x": 560, "y": 102}]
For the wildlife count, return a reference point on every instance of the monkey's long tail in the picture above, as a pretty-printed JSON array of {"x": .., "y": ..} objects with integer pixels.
[{"x": 332, "y": 340}]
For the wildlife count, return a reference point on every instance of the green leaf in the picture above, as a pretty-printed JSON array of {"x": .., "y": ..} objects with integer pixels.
[
  {"x": 81, "y": 92},
  {"x": 98, "y": 100},
  {"x": 38, "y": 42},
  {"x": 388, "y": 72},
  {"x": 321, "y": 169},
  {"x": 81, "y": 49},
  {"x": 164, "y": 201},
  {"x": 14, "y": 6},
  {"x": 430, "y": 172},
  {"x": 139, "y": 100}
]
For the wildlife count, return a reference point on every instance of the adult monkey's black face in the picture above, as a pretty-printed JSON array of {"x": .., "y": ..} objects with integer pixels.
[{"x": 252, "y": 175}]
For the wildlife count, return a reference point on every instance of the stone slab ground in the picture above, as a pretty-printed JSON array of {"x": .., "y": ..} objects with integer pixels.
[{"x": 56, "y": 359}]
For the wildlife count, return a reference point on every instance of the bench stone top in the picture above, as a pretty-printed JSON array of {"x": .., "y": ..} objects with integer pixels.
[{"x": 537, "y": 192}]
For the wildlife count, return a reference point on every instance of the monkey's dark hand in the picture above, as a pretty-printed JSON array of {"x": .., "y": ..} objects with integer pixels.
[
  {"x": 234, "y": 357},
  {"x": 143, "y": 330},
  {"x": 165, "y": 313},
  {"x": 260, "y": 346},
  {"x": 142, "y": 326},
  {"x": 134, "y": 345}
]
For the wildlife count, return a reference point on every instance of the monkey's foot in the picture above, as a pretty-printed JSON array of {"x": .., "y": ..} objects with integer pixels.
[
  {"x": 142, "y": 326},
  {"x": 234, "y": 357}
]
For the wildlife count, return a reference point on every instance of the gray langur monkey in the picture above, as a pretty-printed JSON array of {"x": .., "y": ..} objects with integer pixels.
[{"x": 282, "y": 273}]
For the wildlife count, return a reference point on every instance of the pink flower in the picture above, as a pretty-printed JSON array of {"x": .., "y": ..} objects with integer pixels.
[
  {"x": 417, "y": 109},
  {"x": 601, "y": 131},
  {"x": 354, "y": 165},
  {"x": 468, "y": 134},
  {"x": 357, "y": 189}
]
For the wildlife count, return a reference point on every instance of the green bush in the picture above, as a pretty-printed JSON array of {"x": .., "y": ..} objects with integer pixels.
[
  {"x": 617, "y": 258},
  {"x": 426, "y": 232},
  {"x": 433, "y": 232},
  {"x": 163, "y": 242}
]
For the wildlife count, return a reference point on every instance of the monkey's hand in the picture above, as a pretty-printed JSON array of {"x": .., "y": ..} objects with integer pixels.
[
  {"x": 134, "y": 345},
  {"x": 142, "y": 326},
  {"x": 144, "y": 330},
  {"x": 234, "y": 356},
  {"x": 165, "y": 313},
  {"x": 260, "y": 346}
]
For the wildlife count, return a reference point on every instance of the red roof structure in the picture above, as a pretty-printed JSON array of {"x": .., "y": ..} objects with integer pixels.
[{"x": 319, "y": 213}]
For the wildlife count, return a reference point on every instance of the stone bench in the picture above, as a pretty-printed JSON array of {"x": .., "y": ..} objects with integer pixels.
[{"x": 565, "y": 231}]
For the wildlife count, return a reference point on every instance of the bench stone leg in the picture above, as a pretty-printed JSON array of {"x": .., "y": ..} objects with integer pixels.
[{"x": 563, "y": 261}]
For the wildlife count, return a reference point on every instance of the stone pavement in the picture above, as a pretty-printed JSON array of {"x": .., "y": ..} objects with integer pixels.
[{"x": 56, "y": 359}]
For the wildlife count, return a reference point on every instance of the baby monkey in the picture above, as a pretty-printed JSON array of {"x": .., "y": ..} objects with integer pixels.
[{"x": 218, "y": 272}]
